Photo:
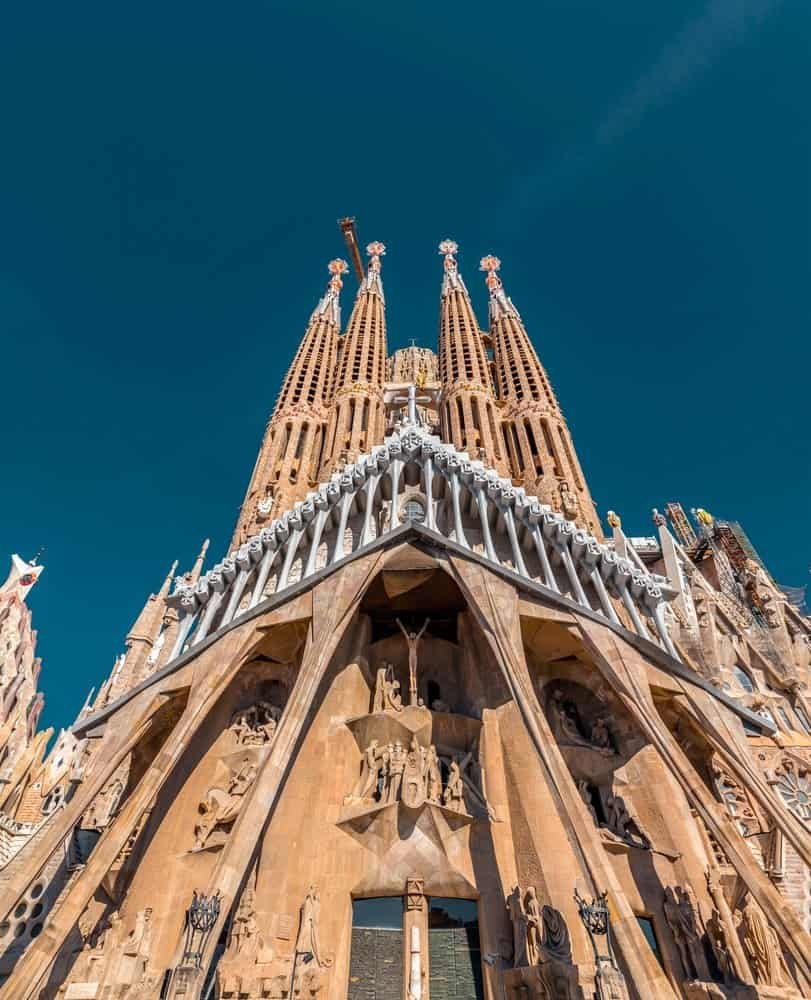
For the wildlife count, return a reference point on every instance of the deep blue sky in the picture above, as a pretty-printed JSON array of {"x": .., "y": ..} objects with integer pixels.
[{"x": 170, "y": 178}]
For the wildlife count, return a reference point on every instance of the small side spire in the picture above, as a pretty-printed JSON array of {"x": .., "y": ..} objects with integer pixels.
[
  {"x": 330, "y": 305},
  {"x": 197, "y": 569},
  {"x": 500, "y": 304}
]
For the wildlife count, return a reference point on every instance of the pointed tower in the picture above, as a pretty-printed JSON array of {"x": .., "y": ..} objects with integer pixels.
[
  {"x": 20, "y": 702},
  {"x": 468, "y": 410},
  {"x": 539, "y": 446},
  {"x": 291, "y": 453},
  {"x": 357, "y": 418}
]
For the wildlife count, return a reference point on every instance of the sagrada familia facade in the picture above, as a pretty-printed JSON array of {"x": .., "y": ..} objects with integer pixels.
[{"x": 429, "y": 731}]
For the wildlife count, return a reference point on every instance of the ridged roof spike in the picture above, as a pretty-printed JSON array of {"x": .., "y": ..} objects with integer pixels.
[
  {"x": 194, "y": 576},
  {"x": 329, "y": 305},
  {"x": 372, "y": 282},
  {"x": 452, "y": 279},
  {"x": 500, "y": 304}
]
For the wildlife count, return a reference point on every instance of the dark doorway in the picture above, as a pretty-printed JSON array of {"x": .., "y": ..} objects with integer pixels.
[
  {"x": 454, "y": 952},
  {"x": 376, "y": 962}
]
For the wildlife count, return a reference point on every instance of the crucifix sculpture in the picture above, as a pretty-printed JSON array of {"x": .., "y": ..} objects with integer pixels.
[{"x": 412, "y": 639}]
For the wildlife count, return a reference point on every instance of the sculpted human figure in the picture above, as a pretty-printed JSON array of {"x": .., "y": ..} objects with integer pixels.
[
  {"x": 412, "y": 639},
  {"x": 600, "y": 735},
  {"x": 387, "y": 690},
  {"x": 761, "y": 945},
  {"x": 219, "y": 807},
  {"x": 556, "y": 940},
  {"x": 307, "y": 942},
  {"x": 566, "y": 723},
  {"x": 371, "y": 768},
  {"x": 620, "y": 822},
  {"x": 433, "y": 776},
  {"x": 532, "y": 910},
  {"x": 518, "y": 919},
  {"x": 683, "y": 930},
  {"x": 244, "y": 929},
  {"x": 396, "y": 769},
  {"x": 454, "y": 796}
]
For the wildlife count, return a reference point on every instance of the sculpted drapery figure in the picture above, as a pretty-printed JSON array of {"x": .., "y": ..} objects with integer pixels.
[
  {"x": 620, "y": 822},
  {"x": 682, "y": 917},
  {"x": 412, "y": 639},
  {"x": 518, "y": 918},
  {"x": 761, "y": 946},
  {"x": 387, "y": 690},
  {"x": 539, "y": 932},
  {"x": 454, "y": 795},
  {"x": 219, "y": 808},
  {"x": 532, "y": 909},
  {"x": 307, "y": 942},
  {"x": 255, "y": 726}
]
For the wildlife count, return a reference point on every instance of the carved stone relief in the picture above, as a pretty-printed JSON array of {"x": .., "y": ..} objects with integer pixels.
[
  {"x": 392, "y": 773},
  {"x": 221, "y": 807}
]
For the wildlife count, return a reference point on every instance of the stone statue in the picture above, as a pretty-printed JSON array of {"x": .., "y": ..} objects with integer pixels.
[
  {"x": 454, "y": 796},
  {"x": 681, "y": 919},
  {"x": 761, "y": 945},
  {"x": 534, "y": 918},
  {"x": 433, "y": 776},
  {"x": 600, "y": 735},
  {"x": 255, "y": 726},
  {"x": 412, "y": 639},
  {"x": 307, "y": 942},
  {"x": 716, "y": 935},
  {"x": 565, "y": 722},
  {"x": 556, "y": 940},
  {"x": 519, "y": 921},
  {"x": 371, "y": 769},
  {"x": 396, "y": 768},
  {"x": 620, "y": 822},
  {"x": 387, "y": 690},
  {"x": 243, "y": 938},
  {"x": 219, "y": 808}
]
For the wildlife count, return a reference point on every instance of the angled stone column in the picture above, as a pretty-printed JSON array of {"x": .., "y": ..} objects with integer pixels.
[
  {"x": 494, "y": 603},
  {"x": 624, "y": 669}
]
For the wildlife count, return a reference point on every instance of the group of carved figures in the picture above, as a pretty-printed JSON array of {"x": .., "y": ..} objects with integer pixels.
[
  {"x": 249, "y": 963},
  {"x": 394, "y": 772},
  {"x": 618, "y": 824},
  {"x": 755, "y": 943},
  {"x": 570, "y": 731},
  {"x": 539, "y": 932},
  {"x": 221, "y": 806},
  {"x": 256, "y": 726}
]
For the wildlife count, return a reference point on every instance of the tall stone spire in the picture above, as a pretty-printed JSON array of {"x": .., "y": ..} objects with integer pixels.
[
  {"x": 357, "y": 418},
  {"x": 291, "y": 454},
  {"x": 468, "y": 411},
  {"x": 541, "y": 453},
  {"x": 20, "y": 702}
]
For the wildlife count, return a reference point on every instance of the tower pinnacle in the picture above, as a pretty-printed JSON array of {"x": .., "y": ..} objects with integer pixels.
[
  {"x": 468, "y": 408},
  {"x": 539, "y": 446},
  {"x": 357, "y": 414},
  {"x": 291, "y": 453}
]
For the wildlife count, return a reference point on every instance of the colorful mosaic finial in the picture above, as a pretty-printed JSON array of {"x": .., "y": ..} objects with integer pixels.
[
  {"x": 376, "y": 250},
  {"x": 491, "y": 265},
  {"x": 336, "y": 268},
  {"x": 448, "y": 248}
]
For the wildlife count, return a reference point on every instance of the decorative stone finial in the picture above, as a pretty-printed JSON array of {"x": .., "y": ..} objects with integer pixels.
[
  {"x": 490, "y": 265},
  {"x": 658, "y": 518},
  {"x": 448, "y": 248},
  {"x": 703, "y": 516},
  {"x": 376, "y": 250},
  {"x": 336, "y": 268},
  {"x": 613, "y": 519}
]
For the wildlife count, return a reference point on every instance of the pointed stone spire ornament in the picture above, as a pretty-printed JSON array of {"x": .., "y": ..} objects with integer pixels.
[
  {"x": 452, "y": 279},
  {"x": 329, "y": 305},
  {"x": 500, "y": 304}
]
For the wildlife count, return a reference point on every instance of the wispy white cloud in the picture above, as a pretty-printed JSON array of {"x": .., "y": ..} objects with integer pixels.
[{"x": 684, "y": 60}]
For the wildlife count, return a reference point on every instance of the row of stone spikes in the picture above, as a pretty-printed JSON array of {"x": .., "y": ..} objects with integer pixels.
[{"x": 578, "y": 548}]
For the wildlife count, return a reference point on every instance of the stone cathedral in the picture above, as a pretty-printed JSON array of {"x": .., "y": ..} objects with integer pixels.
[{"x": 429, "y": 731}]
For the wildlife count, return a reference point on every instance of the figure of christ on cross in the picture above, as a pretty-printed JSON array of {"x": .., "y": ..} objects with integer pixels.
[{"x": 412, "y": 639}]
